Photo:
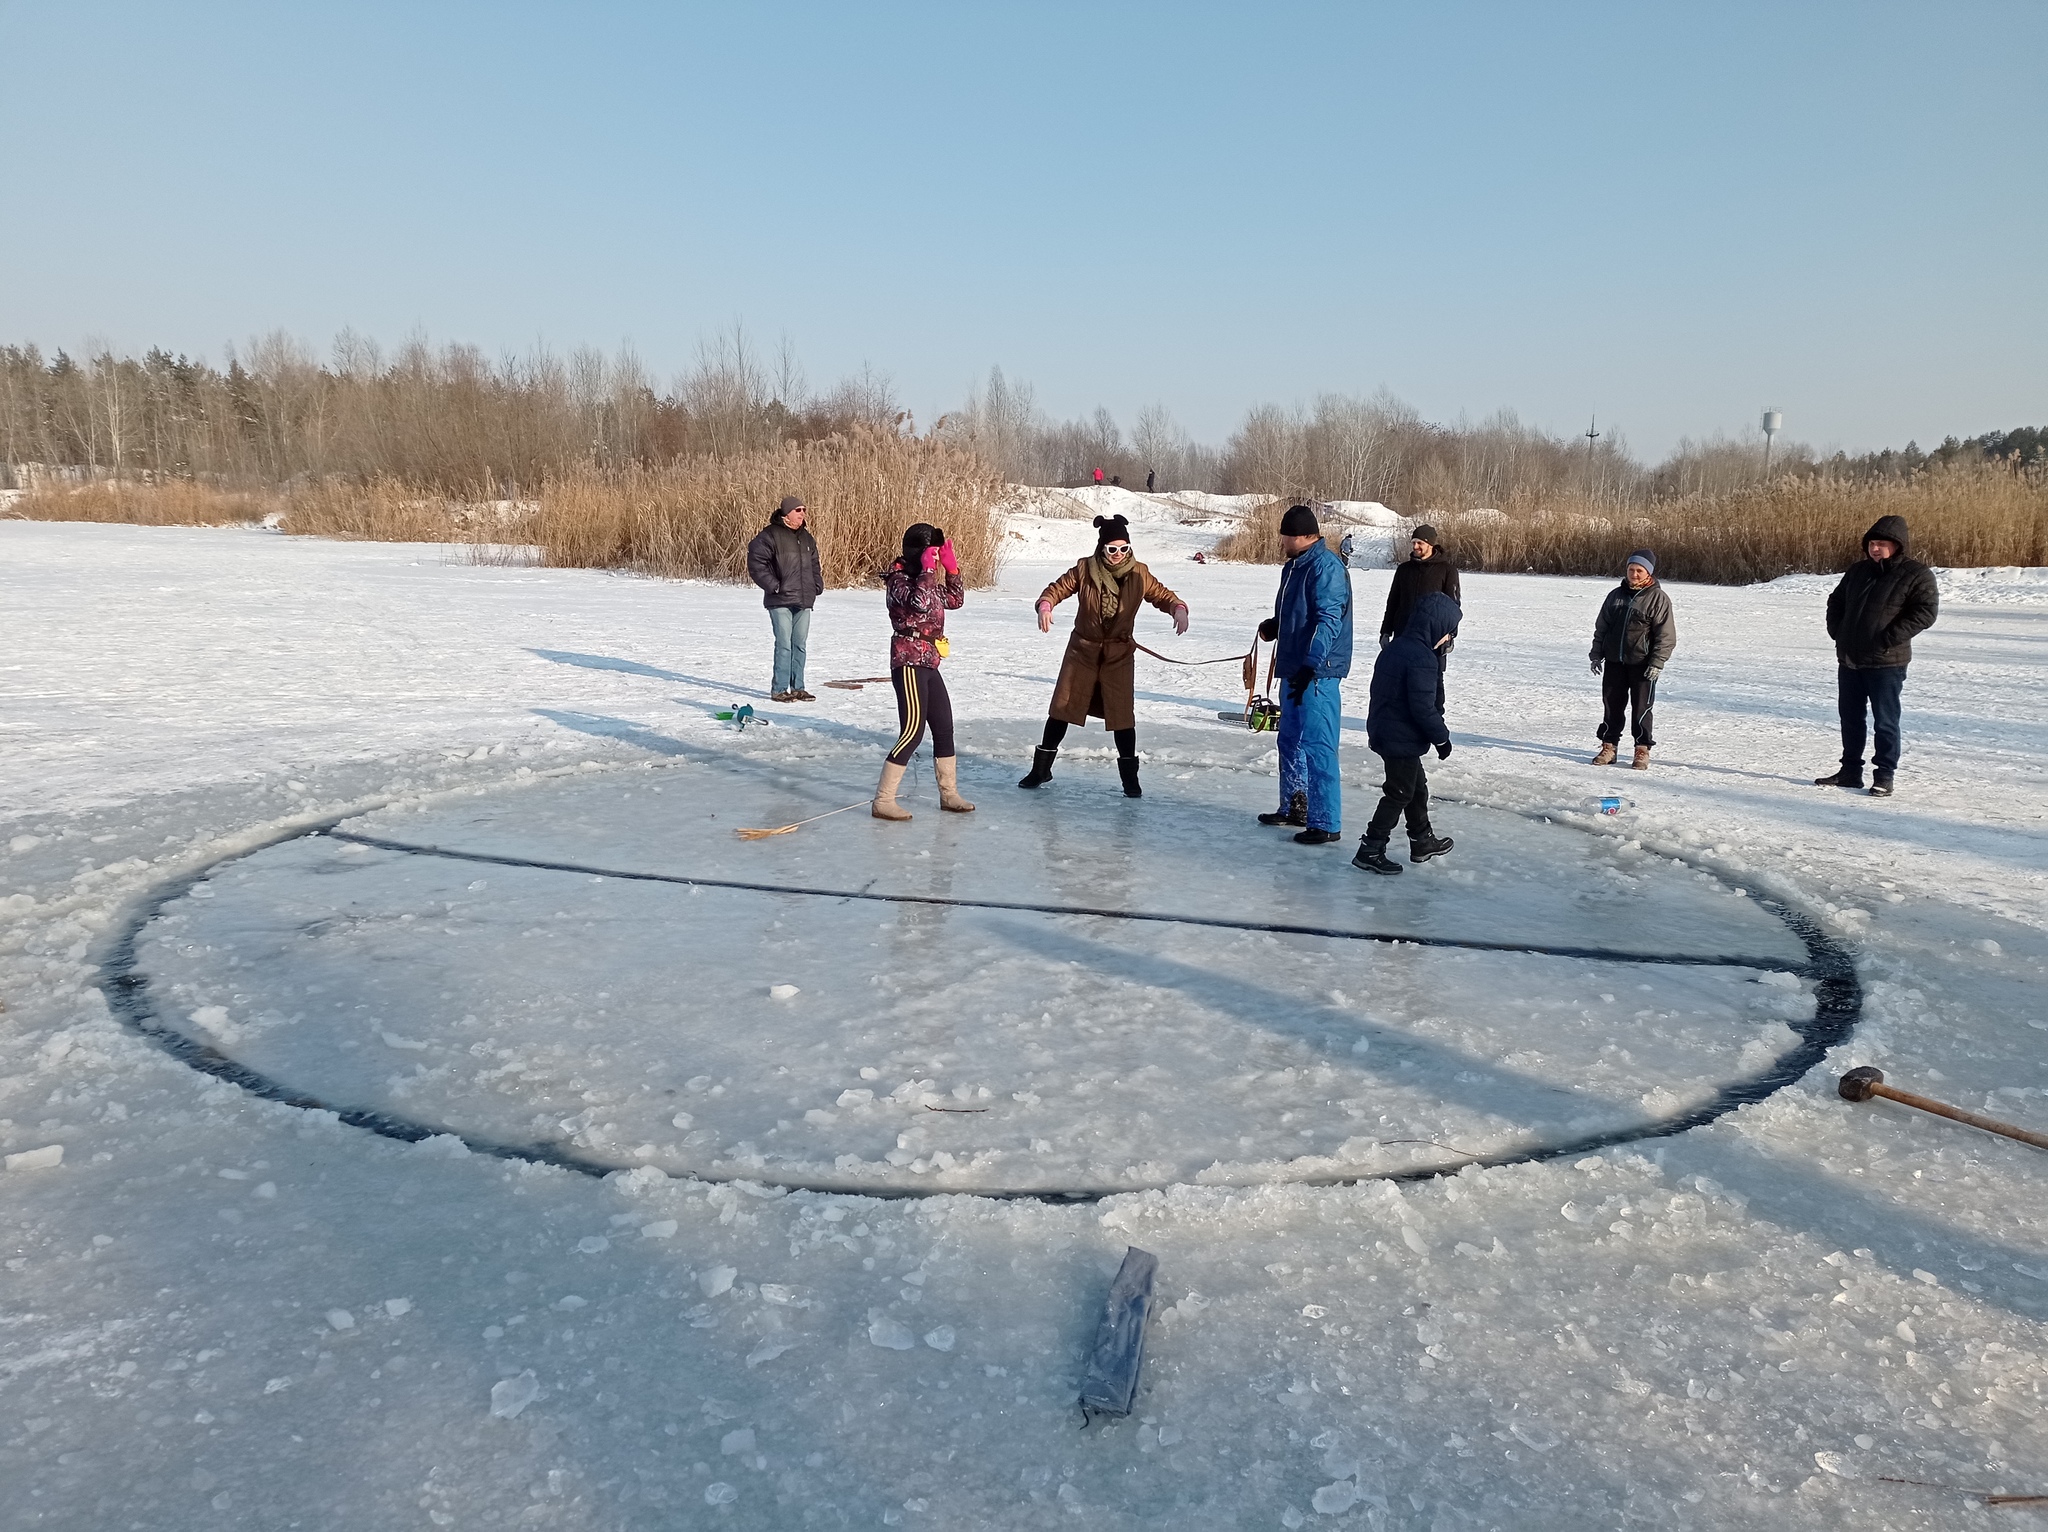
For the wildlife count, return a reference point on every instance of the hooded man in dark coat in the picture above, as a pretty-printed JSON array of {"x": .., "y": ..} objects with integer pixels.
[
  {"x": 1403, "y": 722},
  {"x": 1428, "y": 568},
  {"x": 1633, "y": 640},
  {"x": 783, "y": 560},
  {"x": 1882, "y": 601}
]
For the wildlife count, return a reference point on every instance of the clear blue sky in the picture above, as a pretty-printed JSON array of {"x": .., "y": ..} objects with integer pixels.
[{"x": 1671, "y": 214}]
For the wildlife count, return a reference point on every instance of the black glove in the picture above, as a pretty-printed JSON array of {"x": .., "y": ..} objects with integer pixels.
[
  {"x": 1298, "y": 684},
  {"x": 1270, "y": 629},
  {"x": 1596, "y": 664},
  {"x": 1443, "y": 751},
  {"x": 1386, "y": 639}
]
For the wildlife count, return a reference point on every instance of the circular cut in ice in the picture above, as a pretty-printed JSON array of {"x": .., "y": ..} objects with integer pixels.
[{"x": 1065, "y": 995}]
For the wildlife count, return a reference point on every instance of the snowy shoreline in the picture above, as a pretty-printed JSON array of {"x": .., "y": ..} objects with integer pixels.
[{"x": 221, "y": 1308}]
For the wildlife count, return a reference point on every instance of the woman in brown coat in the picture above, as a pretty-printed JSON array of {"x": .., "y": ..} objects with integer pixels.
[{"x": 1097, "y": 675}]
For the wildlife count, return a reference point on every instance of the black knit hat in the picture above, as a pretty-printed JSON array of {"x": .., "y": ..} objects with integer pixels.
[
  {"x": 1111, "y": 529},
  {"x": 1426, "y": 534},
  {"x": 789, "y": 503},
  {"x": 1299, "y": 521}
]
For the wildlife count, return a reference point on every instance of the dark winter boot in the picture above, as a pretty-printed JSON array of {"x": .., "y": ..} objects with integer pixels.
[
  {"x": 1428, "y": 846},
  {"x": 1848, "y": 776},
  {"x": 1316, "y": 837},
  {"x": 1127, "y": 768},
  {"x": 1296, "y": 814},
  {"x": 1041, "y": 767},
  {"x": 1372, "y": 857},
  {"x": 1880, "y": 784}
]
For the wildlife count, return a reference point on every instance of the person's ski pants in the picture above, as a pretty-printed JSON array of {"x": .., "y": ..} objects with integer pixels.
[
  {"x": 1624, "y": 689},
  {"x": 792, "y": 626},
  {"x": 1879, "y": 690},
  {"x": 1406, "y": 792},
  {"x": 1308, "y": 751},
  {"x": 921, "y": 701}
]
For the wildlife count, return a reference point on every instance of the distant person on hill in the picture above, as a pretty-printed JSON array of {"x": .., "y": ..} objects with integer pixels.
[
  {"x": 1345, "y": 549},
  {"x": 1882, "y": 601},
  {"x": 1149, "y": 478},
  {"x": 783, "y": 560},
  {"x": 1633, "y": 639},
  {"x": 1311, "y": 628},
  {"x": 920, "y": 588},
  {"x": 1427, "y": 568},
  {"x": 1403, "y": 722},
  {"x": 1099, "y": 672},
  {"x": 1098, "y": 478}
]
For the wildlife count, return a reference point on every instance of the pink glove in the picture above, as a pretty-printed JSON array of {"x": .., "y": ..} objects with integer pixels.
[
  {"x": 1180, "y": 619},
  {"x": 948, "y": 559},
  {"x": 931, "y": 558}
]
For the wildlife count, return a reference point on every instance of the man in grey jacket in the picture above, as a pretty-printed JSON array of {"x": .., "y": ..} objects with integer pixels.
[
  {"x": 783, "y": 560},
  {"x": 1633, "y": 638}
]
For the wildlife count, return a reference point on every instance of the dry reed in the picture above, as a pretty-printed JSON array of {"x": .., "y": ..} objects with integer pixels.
[
  {"x": 1256, "y": 537},
  {"x": 694, "y": 518},
  {"x": 171, "y": 503},
  {"x": 389, "y": 511}
]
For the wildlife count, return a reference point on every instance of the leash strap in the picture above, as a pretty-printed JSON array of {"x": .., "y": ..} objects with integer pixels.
[{"x": 1227, "y": 659}]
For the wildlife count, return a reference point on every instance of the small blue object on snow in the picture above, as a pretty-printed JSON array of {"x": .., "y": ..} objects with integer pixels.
[
  {"x": 1111, "y": 1381},
  {"x": 737, "y": 716},
  {"x": 1613, "y": 805}
]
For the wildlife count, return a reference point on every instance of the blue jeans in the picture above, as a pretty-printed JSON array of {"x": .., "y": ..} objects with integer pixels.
[
  {"x": 792, "y": 633},
  {"x": 1879, "y": 689},
  {"x": 1308, "y": 752}
]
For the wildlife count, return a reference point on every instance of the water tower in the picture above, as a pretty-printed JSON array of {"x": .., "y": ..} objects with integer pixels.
[{"x": 1773, "y": 419}]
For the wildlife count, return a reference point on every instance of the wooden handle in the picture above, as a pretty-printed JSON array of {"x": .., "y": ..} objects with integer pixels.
[{"x": 1957, "y": 1114}]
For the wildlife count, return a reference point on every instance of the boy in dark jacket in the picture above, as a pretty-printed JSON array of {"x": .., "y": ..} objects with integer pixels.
[
  {"x": 1882, "y": 601},
  {"x": 783, "y": 560},
  {"x": 1633, "y": 638},
  {"x": 1428, "y": 568},
  {"x": 1402, "y": 723}
]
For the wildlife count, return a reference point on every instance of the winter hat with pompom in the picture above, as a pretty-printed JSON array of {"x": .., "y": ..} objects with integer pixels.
[{"x": 1111, "y": 529}]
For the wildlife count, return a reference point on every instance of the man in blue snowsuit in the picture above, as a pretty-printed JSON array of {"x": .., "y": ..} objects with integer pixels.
[
  {"x": 1312, "y": 623},
  {"x": 1403, "y": 722}
]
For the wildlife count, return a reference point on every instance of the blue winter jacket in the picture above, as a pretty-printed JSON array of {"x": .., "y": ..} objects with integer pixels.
[
  {"x": 1402, "y": 718},
  {"x": 1314, "y": 614}
]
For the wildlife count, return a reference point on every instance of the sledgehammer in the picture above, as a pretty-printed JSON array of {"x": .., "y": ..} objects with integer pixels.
[{"x": 1861, "y": 1084}]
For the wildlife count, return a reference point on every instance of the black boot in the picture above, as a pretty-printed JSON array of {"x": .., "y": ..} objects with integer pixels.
[
  {"x": 1880, "y": 784},
  {"x": 1127, "y": 768},
  {"x": 1296, "y": 815},
  {"x": 1316, "y": 837},
  {"x": 1372, "y": 857},
  {"x": 1848, "y": 776},
  {"x": 1041, "y": 767},
  {"x": 1429, "y": 844}
]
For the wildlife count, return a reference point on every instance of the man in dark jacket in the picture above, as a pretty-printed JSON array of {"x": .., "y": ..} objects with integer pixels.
[
  {"x": 1403, "y": 722},
  {"x": 1633, "y": 638},
  {"x": 1428, "y": 568},
  {"x": 783, "y": 560},
  {"x": 1311, "y": 631},
  {"x": 1882, "y": 601}
]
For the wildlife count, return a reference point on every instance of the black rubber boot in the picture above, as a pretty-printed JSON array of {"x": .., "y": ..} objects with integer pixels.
[
  {"x": 1041, "y": 767},
  {"x": 1316, "y": 837},
  {"x": 1296, "y": 815},
  {"x": 1428, "y": 846},
  {"x": 1127, "y": 768},
  {"x": 1880, "y": 784},
  {"x": 1372, "y": 857},
  {"x": 1848, "y": 776}
]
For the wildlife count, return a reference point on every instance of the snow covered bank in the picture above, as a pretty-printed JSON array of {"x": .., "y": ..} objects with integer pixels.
[{"x": 223, "y": 1311}]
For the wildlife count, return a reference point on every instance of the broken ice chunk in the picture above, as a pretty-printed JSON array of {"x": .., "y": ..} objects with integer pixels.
[
  {"x": 782, "y": 992},
  {"x": 940, "y": 1339},
  {"x": 511, "y": 1395},
  {"x": 1335, "y": 1499},
  {"x": 717, "y": 1280},
  {"x": 741, "y": 1440},
  {"x": 49, "y": 1157},
  {"x": 891, "y": 1334},
  {"x": 661, "y": 1228},
  {"x": 341, "y": 1319}
]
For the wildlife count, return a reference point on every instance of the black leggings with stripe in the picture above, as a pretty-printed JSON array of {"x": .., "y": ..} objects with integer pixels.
[{"x": 921, "y": 700}]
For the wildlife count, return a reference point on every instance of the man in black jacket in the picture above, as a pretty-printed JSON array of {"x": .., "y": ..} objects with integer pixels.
[
  {"x": 1882, "y": 601},
  {"x": 783, "y": 560},
  {"x": 1428, "y": 569},
  {"x": 1633, "y": 639}
]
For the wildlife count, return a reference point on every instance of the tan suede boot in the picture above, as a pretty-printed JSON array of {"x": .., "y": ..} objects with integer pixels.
[
  {"x": 947, "y": 769},
  {"x": 1642, "y": 760},
  {"x": 885, "y": 805},
  {"x": 1606, "y": 755}
]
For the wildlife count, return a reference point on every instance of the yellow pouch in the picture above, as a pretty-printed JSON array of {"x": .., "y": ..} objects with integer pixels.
[{"x": 942, "y": 646}]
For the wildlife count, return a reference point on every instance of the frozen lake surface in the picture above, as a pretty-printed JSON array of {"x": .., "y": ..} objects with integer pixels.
[{"x": 222, "y": 1310}]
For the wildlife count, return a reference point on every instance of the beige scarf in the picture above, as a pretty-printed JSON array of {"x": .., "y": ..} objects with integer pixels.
[{"x": 1108, "y": 582}]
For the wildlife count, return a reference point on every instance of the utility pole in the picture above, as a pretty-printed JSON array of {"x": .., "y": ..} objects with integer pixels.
[
  {"x": 1592, "y": 436},
  {"x": 1773, "y": 419}
]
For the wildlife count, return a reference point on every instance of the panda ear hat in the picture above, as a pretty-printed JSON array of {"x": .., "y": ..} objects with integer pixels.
[{"x": 1111, "y": 529}]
